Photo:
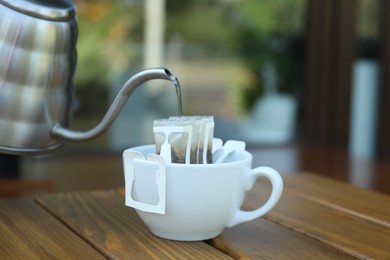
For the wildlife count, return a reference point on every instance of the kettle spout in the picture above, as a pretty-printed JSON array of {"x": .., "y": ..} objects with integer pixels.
[{"x": 126, "y": 90}]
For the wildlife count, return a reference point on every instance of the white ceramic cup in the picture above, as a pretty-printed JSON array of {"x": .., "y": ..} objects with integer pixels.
[{"x": 190, "y": 202}]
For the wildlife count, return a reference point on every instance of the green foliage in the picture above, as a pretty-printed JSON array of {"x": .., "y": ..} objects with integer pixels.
[
  {"x": 202, "y": 23},
  {"x": 176, "y": 7},
  {"x": 267, "y": 17},
  {"x": 257, "y": 31},
  {"x": 107, "y": 33},
  {"x": 266, "y": 31}
]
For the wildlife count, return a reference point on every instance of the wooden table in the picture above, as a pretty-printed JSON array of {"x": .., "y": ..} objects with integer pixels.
[{"x": 316, "y": 218}]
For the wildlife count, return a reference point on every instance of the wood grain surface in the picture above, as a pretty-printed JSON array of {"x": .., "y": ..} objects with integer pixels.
[
  {"x": 102, "y": 219},
  {"x": 263, "y": 239},
  {"x": 373, "y": 206},
  {"x": 316, "y": 218},
  {"x": 27, "y": 231},
  {"x": 323, "y": 210}
]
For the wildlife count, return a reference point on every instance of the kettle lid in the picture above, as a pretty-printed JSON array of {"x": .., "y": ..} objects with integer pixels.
[{"x": 59, "y": 10}]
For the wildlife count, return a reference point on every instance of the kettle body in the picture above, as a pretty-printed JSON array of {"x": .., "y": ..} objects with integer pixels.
[{"x": 37, "y": 63}]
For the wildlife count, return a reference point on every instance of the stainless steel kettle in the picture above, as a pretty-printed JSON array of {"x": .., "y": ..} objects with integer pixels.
[{"x": 37, "y": 63}]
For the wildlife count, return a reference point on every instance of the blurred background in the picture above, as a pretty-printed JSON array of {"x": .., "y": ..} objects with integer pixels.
[{"x": 304, "y": 82}]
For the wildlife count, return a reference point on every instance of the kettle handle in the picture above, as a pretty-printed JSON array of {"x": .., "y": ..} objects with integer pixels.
[{"x": 117, "y": 105}]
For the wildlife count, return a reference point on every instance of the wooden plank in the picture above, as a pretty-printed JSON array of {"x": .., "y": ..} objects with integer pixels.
[
  {"x": 27, "y": 231},
  {"x": 103, "y": 220},
  {"x": 330, "y": 46},
  {"x": 263, "y": 239},
  {"x": 383, "y": 138},
  {"x": 371, "y": 205},
  {"x": 328, "y": 223}
]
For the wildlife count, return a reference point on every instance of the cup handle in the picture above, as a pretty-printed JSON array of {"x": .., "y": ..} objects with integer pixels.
[{"x": 277, "y": 187}]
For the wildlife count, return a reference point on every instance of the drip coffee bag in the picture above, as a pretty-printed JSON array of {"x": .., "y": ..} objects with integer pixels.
[{"x": 185, "y": 139}]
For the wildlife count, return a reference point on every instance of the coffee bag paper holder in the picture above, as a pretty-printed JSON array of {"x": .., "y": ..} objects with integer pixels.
[{"x": 129, "y": 156}]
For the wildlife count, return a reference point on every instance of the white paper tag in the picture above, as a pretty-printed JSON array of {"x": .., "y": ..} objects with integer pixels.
[{"x": 160, "y": 176}]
